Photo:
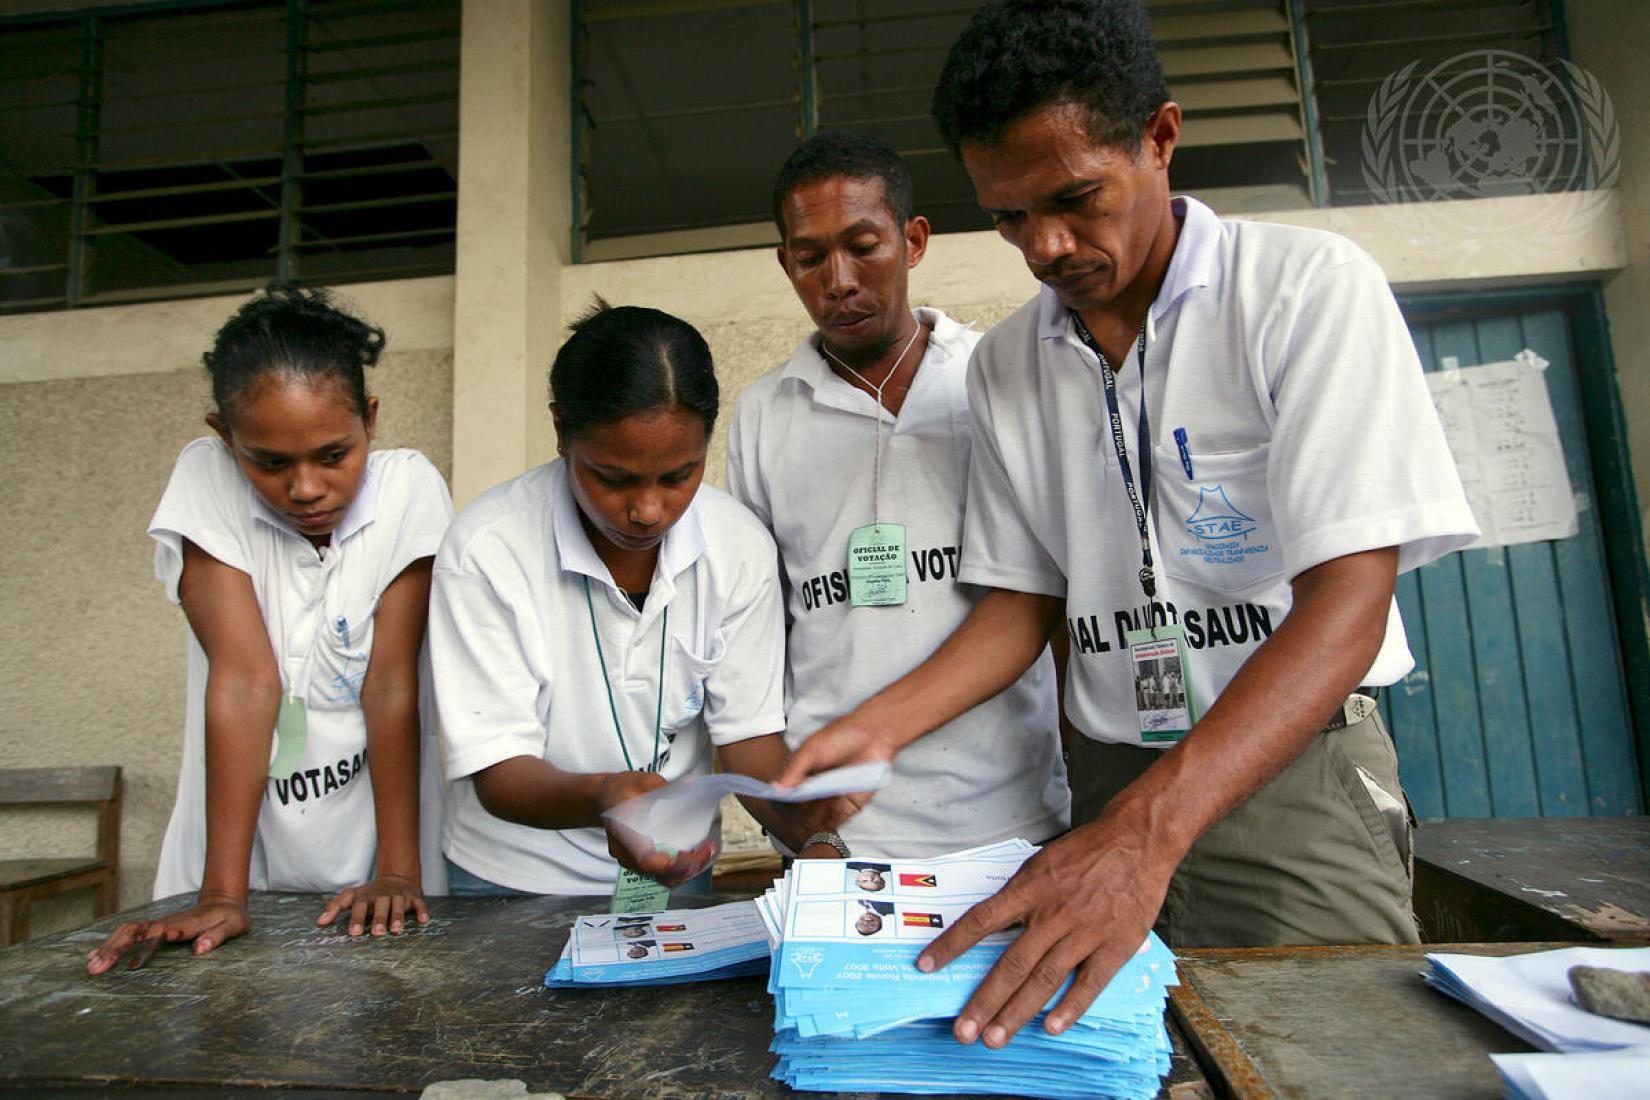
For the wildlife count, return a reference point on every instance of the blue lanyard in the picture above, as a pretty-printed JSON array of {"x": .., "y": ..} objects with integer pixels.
[
  {"x": 607, "y": 682},
  {"x": 1141, "y": 501}
]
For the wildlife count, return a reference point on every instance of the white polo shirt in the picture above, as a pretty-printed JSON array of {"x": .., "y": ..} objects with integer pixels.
[
  {"x": 801, "y": 455},
  {"x": 316, "y": 828},
  {"x": 1281, "y": 354},
  {"x": 517, "y": 671}
]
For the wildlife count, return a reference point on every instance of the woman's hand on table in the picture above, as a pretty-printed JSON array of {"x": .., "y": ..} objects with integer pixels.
[
  {"x": 387, "y": 899},
  {"x": 209, "y": 923}
]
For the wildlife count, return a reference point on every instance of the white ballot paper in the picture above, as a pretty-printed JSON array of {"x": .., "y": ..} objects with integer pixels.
[
  {"x": 1499, "y": 421},
  {"x": 1612, "y": 1075},
  {"x": 681, "y": 814},
  {"x": 1529, "y": 995}
]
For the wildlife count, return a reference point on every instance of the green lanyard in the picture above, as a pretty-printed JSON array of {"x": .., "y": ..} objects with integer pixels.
[{"x": 664, "y": 620}]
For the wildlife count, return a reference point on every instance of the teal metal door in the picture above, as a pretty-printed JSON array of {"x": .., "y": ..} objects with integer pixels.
[{"x": 1520, "y": 704}]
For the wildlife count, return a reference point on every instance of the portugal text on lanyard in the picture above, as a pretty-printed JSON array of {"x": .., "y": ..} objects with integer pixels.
[
  {"x": 634, "y": 892},
  {"x": 1163, "y": 695}
]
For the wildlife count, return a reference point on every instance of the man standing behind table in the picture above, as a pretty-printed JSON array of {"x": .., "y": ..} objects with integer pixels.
[
  {"x": 855, "y": 454},
  {"x": 1212, "y": 440}
]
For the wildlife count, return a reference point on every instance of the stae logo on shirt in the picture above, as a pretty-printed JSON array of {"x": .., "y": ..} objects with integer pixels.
[
  {"x": 1222, "y": 530},
  {"x": 1218, "y": 520}
]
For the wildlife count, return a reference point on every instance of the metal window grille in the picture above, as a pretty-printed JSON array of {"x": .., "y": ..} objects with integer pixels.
[
  {"x": 686, "y": 108},
  {"x": 1231, "y": 65},
  {"x": 169, "y": 150}
]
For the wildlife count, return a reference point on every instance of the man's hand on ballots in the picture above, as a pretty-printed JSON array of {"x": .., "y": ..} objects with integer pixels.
[{"x": 1086, "y": 901}]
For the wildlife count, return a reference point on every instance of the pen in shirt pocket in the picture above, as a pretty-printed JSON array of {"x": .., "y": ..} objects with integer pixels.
[{"x": 1185, "y": 455}]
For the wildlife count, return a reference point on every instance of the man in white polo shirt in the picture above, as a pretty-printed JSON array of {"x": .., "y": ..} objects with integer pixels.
[
  {"x": 1206, "y": 442},
  {"x": 864, "y": 432}
]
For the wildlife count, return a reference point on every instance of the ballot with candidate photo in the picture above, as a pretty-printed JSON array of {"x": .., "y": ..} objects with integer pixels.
[
  {"x": 680, "y": 945},
  {"x": 852, "y": 1012}
]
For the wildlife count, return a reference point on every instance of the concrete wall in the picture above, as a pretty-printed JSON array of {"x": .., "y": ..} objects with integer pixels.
[
  {"x": 94, "y": 407},
  {"x": 751, "y": 319},
  {"x": 514, "y": 234},
  {"x": 1610, "y": 39}
]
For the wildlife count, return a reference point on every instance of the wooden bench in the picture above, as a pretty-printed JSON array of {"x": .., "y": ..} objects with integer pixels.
[{"x": 24, "y": 881}]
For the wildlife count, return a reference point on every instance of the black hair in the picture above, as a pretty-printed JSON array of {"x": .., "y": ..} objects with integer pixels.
[
  {"x": 297, "y": 333},
  {"x": 623, "y": 360},
  {"x": 1016, "y": 57},
  {"x": 831, "y": 154}
]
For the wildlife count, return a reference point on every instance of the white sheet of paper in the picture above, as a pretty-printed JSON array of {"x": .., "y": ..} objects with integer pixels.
[
  {"x": 1616, "y": 1075},
  {"x": 1530, "y": 995},
  {"x": 1499, "y": 422},
  {"x": 680, "y": 814}
]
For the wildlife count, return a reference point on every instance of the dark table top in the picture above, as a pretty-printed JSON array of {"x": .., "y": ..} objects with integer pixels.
[
  {"x": 1337, "y": 1021},
  {"x": 1512, "y": 879},
  {"x": 307, "y": 1012}
]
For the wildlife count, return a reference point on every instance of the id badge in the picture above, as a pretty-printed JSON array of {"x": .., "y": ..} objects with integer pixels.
[
  {"x": 1162, "y": 683},
  {"x": 876, "y": 565},
  {"x": 636, "y": 893},
  {"x": 291, "y": 731}
]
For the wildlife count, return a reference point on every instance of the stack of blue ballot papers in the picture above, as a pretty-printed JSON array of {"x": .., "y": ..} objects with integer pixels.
[
  {"x": 853, "y": 1013},
  {"x": 678, "y": 945}
]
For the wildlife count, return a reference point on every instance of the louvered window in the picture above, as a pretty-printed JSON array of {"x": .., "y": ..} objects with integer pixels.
[{"x": 212, "y": 148}]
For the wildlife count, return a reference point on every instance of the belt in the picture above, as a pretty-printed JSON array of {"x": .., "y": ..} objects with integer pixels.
[{"x": 1358, "y": 706}]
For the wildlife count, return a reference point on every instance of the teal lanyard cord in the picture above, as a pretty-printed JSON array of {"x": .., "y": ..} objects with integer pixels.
[{"x": 612, "y": 708}]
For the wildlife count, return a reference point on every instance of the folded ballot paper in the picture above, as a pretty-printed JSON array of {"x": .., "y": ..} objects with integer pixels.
[
  {"x": 852, "y": 1012},
  {"x": 678, "y": 945},
  {"x": 1529, "y": 995},
  {"x": 679, "y": 815}
]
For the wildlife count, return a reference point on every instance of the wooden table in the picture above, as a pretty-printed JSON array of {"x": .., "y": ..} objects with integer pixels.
[
  {"x": 1547, "y": 878},
  {"x": 1337, "y": 1022},
  {"x": 307, "y": 1013}
]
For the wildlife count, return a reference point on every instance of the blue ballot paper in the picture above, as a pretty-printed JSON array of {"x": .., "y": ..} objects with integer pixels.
[
  {"x": 678, "y": 945},
  {"x": 852, "y": 1012}
]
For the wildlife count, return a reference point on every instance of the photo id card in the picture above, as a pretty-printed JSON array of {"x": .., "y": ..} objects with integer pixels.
[
  {"x": 876, "y": 565},
  {"x": 1162, "y": 688}
]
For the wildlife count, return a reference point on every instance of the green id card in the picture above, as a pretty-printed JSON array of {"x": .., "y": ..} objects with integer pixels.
[
  {"x": 1162, "y": 682},
  {"x": 634, "y": 892},
  {"x": 291, "y": 731},
  {"x": 876, "y": 565}
]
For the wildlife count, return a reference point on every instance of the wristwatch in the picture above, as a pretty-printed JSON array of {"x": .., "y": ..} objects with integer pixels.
[{"x": 832, "y": 839}]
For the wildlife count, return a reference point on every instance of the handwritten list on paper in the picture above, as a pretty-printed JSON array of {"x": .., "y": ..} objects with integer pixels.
[{"x": 1500, "y": 426}]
